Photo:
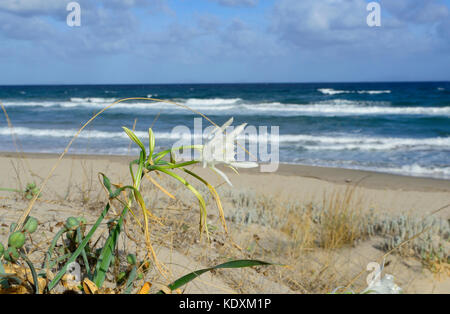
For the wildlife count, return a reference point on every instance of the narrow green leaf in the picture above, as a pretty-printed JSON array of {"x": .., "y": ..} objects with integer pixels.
[
  {"x": 52, "y": 247},
  {"x": 151, "y": 141},
  {"x": 83, "y": 254},
  {"x": 59, "y": 259},
  {"x": 106, "y": 183},
  {"x": 167, "y": 165},
  {"x": 119, "y": 190},
  {"x": 134, "y": 138},
  {"x": 10, "y": 190},
  {"x": 7, "y": 277},
  {"x": 107, "y": 253},
  {"x": 214, "y": 194},
  {"x": 157, "y": 157},
  {"x": 3, "y": 282},
  {"x": 131, "y": 278},
  {"x": 233, "y": 264},
  {"x": 33, "y": 272}
]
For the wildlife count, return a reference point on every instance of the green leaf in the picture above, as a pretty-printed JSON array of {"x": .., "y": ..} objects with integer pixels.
[
  {"x": 168, "y": 165},
  {"x": 157, "y": 157},
  {"x": 151, "y": 141},
  {"x": 131, "y": 278},
  {"x": 12, "y": 277},
  {"x": 83, "y": 254},
  {"x": 107, "y": 253},
  {"x": 119, "y": 190},
  {"x": 233, "y": 264},
  {"x": 214, "y": 194},
  {"x": 33, "y": 272},
  {"x": 52, "y": 247},
  {"x": 106, "y": 183},
  {"x": 134, "y": 138},
  {"x": 3, "y": 282},
  {"x": 10, "y": 190}
]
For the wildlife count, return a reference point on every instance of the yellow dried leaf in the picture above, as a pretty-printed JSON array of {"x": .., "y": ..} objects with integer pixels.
[
  {"x": 145, "y": 288},
  {"x": 68, "y": 281},
  {"x": 15, "y": 290},
  {"x": 25, "y": 275},
  {"x": 17, "y": 271},
  {"x": 159, "y": 186},
  {"x": 42, "y": 283},
  {"x": 89, "y": 287}
]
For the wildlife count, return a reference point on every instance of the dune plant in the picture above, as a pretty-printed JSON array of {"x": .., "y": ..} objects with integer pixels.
[
  {"x": 96, "y": 262},
  {"x": 30, "y": 191}
]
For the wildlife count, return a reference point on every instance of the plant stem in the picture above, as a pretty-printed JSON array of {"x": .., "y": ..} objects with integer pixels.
[
  {"x": 33, "y": 272},
  {"x": 83, "y": 254}
]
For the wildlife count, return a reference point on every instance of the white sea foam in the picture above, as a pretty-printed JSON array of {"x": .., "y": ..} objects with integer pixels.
[
  {"x": 91, "y": 134},
  {"x": 24, "y": 131},
  {"x": 343, "y": 108},
  {"x": 374, "y": 92},
  {"x": 414, "y": 169},
  {"x": 310, "y": 142},
  {"x": 96, "y": 100},
  {"x": 211, "y": 102},
  {"x": 236, "y": 106},
  {"x": 330, "y": 91},
  {"x": 364, "y": 143},
  {"x": 418, "y": 170}
]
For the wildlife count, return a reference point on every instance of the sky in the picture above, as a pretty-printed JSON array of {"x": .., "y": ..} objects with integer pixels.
[{"x": 223, "y": 41}]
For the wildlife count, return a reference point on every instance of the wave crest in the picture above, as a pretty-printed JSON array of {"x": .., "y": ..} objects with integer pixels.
[{"x": 330, "y": 91}]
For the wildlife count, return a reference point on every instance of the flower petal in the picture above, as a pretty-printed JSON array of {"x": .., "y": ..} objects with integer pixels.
[
  {"x": 244, "y": 164},
  {"x": 223, "y": 175},
  {"x": 222, "y": 128},
  {"x": 235, "y": 133}
]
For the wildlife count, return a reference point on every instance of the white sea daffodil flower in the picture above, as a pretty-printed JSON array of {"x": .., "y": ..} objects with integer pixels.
[
  {"x": 221, "y": 149},
  {"x": 385, "y": 285}
]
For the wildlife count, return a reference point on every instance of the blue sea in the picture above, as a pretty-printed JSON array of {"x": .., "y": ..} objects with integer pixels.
[{"x": 401, "y": 128}]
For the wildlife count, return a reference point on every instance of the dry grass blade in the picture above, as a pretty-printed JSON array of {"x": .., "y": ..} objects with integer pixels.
[{"x": 159, "y": 186}]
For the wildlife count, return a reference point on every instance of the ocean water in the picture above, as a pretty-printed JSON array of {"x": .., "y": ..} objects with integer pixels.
[{"x": 401, "y": 128}]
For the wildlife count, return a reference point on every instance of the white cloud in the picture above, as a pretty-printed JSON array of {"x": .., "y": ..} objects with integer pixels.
[
  {"x": 339, "y": 26},
  {"x": 237, "y": 3},
  {"x": 33, "y": 7},
  {"x": 417, "y": 11},
  {"x": 312, "y": 22}
]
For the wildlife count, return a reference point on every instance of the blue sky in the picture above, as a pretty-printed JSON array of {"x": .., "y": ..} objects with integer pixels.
[{"x": 206, "y": 41}]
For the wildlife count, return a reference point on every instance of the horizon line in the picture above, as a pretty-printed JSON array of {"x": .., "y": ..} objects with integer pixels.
[{"x": 223, "y": 83}]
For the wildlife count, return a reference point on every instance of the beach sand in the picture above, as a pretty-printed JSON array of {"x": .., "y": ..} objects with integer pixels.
[{"x": 74, "y": 189}]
